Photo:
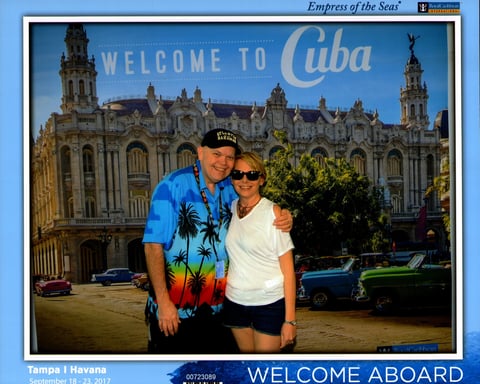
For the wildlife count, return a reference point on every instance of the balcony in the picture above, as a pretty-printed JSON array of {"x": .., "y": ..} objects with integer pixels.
[
  {"x": 139, "y": 180},
  {"x": 100, "y": 221},
  {"x": 395, "y": 182}
]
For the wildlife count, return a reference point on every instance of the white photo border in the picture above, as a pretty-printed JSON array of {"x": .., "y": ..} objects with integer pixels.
[{"x": 456, "y": 187}]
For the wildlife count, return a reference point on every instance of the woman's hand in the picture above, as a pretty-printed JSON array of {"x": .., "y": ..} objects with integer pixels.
[{"x": 288, "y": 335}]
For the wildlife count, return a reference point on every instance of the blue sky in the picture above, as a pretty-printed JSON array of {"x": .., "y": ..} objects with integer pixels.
[{"x": 242, "y": 62}]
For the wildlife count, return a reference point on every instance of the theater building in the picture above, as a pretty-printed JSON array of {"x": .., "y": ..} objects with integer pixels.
[{"x": 93, "y": 167}]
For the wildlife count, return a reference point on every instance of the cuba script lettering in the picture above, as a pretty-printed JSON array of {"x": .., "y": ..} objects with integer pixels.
[{"x": 319, "y": 59}]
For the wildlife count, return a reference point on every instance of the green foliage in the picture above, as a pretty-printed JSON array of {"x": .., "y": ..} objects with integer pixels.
[
  {"x": 333, "y": 205},
  {"x": 441, "y": 184}
]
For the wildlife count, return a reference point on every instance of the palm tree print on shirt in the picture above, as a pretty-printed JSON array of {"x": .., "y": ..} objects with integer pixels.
[
  {"x": 195, "y": 279},
  {"x": 187, "y": 227}
]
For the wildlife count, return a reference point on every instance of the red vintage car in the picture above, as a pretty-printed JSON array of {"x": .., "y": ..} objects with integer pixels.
[
  {"x": 141, "y": 280},
  {"x": 49, "y": 287}
]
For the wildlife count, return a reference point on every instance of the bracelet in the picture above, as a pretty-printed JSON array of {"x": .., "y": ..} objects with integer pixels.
[{"x": 291, "y": 322}]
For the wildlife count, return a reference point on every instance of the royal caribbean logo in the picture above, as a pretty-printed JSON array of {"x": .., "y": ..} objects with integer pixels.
[
  {"x": 422, "y": 7},
  {"x": 437, "y": 7}
]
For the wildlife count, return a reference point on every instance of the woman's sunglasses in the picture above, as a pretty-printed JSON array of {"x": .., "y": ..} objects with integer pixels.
[{"x": 251, "y": 175}]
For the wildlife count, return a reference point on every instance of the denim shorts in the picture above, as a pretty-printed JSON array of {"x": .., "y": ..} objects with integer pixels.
[{"x": 266, "y": 319}]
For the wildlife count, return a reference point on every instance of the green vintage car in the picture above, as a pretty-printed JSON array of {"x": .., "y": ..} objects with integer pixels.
[{"x": 417, "y": 284}]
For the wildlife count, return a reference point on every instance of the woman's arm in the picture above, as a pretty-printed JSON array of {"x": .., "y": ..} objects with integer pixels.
[{"x": 289, "y": 331}]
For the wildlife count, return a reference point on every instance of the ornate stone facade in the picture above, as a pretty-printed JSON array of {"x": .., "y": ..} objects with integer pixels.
[{"x": 94, "y": 167}]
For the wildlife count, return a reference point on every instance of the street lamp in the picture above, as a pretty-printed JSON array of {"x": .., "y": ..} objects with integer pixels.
[{"x": 105, "y": 239}]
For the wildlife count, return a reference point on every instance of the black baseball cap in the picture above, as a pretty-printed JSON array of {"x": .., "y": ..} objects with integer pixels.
[{"x": 217, "y": 138}]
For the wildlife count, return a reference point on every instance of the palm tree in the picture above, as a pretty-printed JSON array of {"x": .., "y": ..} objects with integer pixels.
[
  {"x": 205, "y": 253},
  {"x": 169, "y": 275},
  {"x": 211, "y": 234},
  {"x": 196, "y": 282},
  {"x": 226, "y": 216},
  {"x": 188, "y": 221},
  {"x": 218, "y": 294},
  {"x": 182, "y": 258},
  {"x": 187, "y": 227}
]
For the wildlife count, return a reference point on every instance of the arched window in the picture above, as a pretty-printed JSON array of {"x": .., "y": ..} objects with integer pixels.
[
  {"x": 81, "y": 85},
  {"x": 320, "y": 155},
  {"x": 412, "y": 110},
  {"x": 273, "y": 151},
  {"x": 90, "y": 207},
  {"x": 186, "y": 155},
  {"x": 394, "y": 163},
  {"x": 88, "y": 165},
  {"x": 138, "y": 204},
  {"x": 358, "y": 161},
  {"x": 137, "y": 158},
  {"x": 70, "y": 211},
  {"x": 430, "y": 169},
  {"x": 70, "y": 88},
  {"x": 397, "y": 203}
]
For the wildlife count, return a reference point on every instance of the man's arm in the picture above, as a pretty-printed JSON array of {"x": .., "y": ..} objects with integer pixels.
[
  {"x": 168, "y": 319},
  {"x": 284, "y": 222}
]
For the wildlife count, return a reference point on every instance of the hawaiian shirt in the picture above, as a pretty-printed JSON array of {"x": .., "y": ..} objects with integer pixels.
[{"x": 192, "y": 226}]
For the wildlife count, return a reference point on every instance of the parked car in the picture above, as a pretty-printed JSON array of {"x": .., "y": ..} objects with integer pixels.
[
  {"x": 141, "y": 280},
  {"x": 113, "y": 275},
  {"x": 323, "y": 288},
  {"x": 50, "y": 287},
  {"x": 417, "y": 284}
]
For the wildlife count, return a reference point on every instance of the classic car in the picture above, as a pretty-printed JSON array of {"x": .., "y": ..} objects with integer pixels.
[
  {"x": 322, "y": 288},
  {"x": 50, "y": 287},
  {"x": 417, "y": 284},
  {"x": 113, "y": 275},
  {"x": 141, "y": 280}
]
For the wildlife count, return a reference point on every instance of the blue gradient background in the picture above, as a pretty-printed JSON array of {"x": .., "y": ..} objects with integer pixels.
[{"x": 13, "y": 368}]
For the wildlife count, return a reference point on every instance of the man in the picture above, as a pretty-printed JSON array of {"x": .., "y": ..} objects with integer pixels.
[{"x": 185, "y": 251}]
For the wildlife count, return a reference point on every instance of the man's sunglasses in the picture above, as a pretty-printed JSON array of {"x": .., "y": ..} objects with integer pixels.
[{"x": 251, "y": 175}]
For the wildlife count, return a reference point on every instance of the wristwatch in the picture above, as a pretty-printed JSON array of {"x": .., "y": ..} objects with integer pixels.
[{"x": 291, "y": 322}]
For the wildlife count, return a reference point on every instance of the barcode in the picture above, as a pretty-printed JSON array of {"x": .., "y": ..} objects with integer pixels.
[{"x": 202, "y": 382}]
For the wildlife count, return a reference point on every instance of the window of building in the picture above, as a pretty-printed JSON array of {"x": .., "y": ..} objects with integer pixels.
[
  {"x": 394, "y": 163},
  {"x": 90, "y": 207},
  {"x": 138, "y": 203},
  {"x": 88, "y": 165},
  {"x": 81, "y": 86},
  {"x": 70, "y": 210},
  {"x": 358, "y": 161},
  {"x": 70, "y": 88},
  {"x": 137, "y": 158},
  {"x": 397, "y": 203},
  {"x": 186, "y": 155},
  {"x": 320, "y": 154},
  {"x": 273, "y": 151}
]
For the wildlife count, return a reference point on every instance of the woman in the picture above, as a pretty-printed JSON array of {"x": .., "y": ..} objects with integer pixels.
[{"x": 260, "y": 294}]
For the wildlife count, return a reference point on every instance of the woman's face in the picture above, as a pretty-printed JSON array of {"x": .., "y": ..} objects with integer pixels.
[{"x": 244, "y": 186}]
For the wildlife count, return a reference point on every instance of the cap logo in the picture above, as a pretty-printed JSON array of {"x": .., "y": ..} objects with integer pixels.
[{"x": 225, "y": 135}]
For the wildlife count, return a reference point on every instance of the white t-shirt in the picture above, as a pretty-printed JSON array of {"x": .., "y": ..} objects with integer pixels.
[{"x": 254, "y": 246}]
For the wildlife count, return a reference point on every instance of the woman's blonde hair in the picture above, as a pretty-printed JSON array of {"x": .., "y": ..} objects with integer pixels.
[{"x": 254, "y": 161}]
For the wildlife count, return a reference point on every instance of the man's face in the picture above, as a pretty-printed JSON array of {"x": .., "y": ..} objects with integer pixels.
[{"x": 217, "y": 163}]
